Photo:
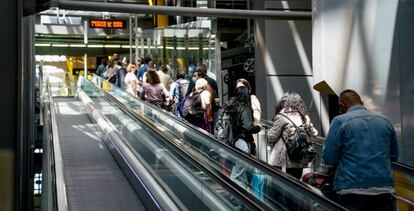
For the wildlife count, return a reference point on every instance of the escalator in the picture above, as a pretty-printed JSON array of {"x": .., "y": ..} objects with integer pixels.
[
  {"x": 150, "y": 173},
  {"x": 172, "y": 165},
  {"x": 213, "y": 160},
  {"x": 280, "y": 190},
  {"x": 92, "y": 177},
  {"x": 140, "y": 148}
]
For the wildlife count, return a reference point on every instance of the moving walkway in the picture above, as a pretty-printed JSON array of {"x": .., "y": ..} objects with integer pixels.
[{"x": 167, "y": 163}]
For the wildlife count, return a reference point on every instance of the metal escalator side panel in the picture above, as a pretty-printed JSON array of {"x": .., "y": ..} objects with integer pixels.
[
  {"x": 136, "y": 171},
  {"x": 57, "y": 160},
  {"x": 183, "y": 173},
  {"x": 180, "y": 170}
]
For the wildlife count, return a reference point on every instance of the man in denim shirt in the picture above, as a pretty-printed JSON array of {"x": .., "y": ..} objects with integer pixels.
[{"x": 361, "y": 145}]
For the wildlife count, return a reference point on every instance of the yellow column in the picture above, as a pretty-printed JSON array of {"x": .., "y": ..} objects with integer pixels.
[{"x": 160, "y": 20}]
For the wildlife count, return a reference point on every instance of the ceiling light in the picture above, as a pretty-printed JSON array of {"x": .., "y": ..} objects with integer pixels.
[
  {"x": 77, "y": 45},
  {"x": 128, "y": 46},
  {"x": 112, "y": 46},
  {"x": 95, "y": 46},
  {"x": 60, "y": 45},
  {"x": 42, "y": 44}
]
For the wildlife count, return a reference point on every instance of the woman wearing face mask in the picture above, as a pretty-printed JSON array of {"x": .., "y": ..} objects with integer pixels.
[
  {"x": 253, "y": 99},
  {"x": 255, "y": 105},
  {"x": 196, "y": 75}
]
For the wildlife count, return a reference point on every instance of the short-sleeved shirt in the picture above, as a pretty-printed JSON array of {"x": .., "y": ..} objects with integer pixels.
[
  {"x": 154, "y": 93},
  {"x": 129, "y": 81}
]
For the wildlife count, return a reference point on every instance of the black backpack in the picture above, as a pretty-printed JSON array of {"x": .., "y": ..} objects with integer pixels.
[
  {"x": 192, "y": 109},
  {"x": 224, "y": 128},
  {"x": 299, "y": 145},
  {"x": 112, "y": 79}
]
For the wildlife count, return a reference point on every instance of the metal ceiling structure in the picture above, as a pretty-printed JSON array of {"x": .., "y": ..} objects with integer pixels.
[
  {"x": 79, "y": 13},
  {"x": 184, "y": 11}
]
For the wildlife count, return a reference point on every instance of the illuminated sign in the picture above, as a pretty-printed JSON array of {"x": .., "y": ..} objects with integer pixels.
[{"x": 107, "y": 24}]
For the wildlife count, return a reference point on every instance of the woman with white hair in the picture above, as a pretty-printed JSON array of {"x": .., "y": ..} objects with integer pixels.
[
  {"x": 197, "y": 107},
  {"x": 201, "y": 87}
]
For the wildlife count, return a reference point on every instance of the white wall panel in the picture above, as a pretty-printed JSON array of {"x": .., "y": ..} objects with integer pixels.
[{"x": 367, "y": 45}]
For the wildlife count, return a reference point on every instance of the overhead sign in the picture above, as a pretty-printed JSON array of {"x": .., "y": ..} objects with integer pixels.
[{"x": 107, "y": 24}]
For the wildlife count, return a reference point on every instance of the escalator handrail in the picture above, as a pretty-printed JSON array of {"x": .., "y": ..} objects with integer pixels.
[
  {"x": 307, "y": 190},
  {"x": 58, "y": 174}
]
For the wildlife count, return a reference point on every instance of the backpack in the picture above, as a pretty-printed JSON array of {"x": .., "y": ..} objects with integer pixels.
[
  {"x": 182, "y": 89},
  {"x": 224, "y": 128},
  {"x": 192, "y": 108},
  {"x": 181, "y": 106},
  {"x": 299, "y": 146},
  {"x": 112, "y": 79}
]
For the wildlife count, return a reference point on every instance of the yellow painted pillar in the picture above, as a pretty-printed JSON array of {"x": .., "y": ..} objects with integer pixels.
[{"x": 160, "y": 20}]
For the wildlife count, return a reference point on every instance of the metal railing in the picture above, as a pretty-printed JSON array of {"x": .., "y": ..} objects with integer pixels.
[{"x": 53, "y": 181}]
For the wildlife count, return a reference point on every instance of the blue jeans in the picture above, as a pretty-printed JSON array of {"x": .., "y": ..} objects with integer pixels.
[
  {"x": 238, "y": 172},
  {"x": 242, "y": 145}
]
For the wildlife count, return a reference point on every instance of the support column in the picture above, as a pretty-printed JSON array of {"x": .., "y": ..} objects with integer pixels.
[
  {"x": 164, "y": 49},
  {"x": 186, "y": 53},
  {"x": 260, "y": 61},
  {"x": 219, "y": 74},
  {"x": 85, "y": 40},
  {"x": 179, "y": 18},
  {"x": 136, "y": 37},
  {"x": 10, "y": 19},
  {"x": 174, "y": 52},
  {"x": 200, "y": 49},
  {"x": 142, "y": 48},
  {"x": 130, "y": 38}
]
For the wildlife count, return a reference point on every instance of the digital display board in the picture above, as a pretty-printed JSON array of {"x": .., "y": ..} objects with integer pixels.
[{"x": 107, "y": 24}]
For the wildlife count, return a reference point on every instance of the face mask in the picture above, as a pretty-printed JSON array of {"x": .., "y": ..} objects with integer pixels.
[{"x": 194, "y": 79}]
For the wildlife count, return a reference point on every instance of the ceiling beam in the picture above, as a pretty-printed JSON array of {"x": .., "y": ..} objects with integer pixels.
[{"x": 183, "y": 11}]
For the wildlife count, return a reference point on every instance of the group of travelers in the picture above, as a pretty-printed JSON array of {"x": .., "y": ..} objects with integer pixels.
[
  {"x": 139, "y": 79},
  {"x": 359, "y": 146}
]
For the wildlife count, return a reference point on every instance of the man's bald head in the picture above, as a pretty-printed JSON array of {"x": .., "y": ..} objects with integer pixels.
[{"x": 347, "y": 99}]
